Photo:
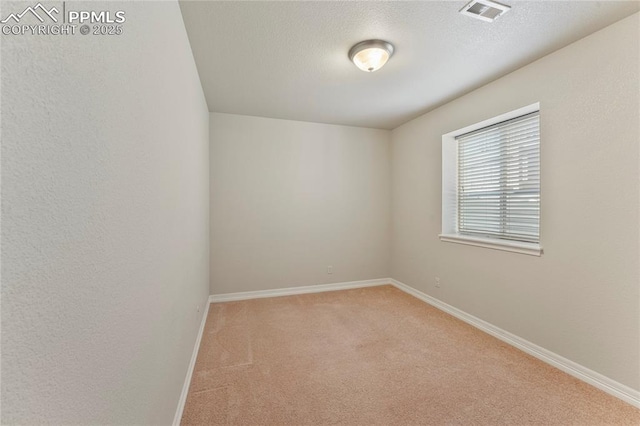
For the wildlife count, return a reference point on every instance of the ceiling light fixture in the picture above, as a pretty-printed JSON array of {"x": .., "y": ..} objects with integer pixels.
[{"x": 371, "y": 55}]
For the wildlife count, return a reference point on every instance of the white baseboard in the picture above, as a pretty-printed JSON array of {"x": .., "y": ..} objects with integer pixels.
[
  {"x": 230, "y": 297},
  {"x": 192, "y": 364},
  {"x": 601, "y": 382}
]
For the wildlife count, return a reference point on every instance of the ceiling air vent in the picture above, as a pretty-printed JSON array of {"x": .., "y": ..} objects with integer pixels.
[{"x": 485, "y": 10}]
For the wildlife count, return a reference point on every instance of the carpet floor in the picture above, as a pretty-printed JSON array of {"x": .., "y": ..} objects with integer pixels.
[{"x": 375, "y": 356}]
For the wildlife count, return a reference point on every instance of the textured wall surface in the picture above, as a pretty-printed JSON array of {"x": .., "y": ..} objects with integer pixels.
[
  {"x": 105, "y": 234},
  {"x": 290, "y": 198},
  {"x": 581, "y": 298}
]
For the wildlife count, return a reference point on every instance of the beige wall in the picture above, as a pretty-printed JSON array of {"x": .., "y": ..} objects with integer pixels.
[
  {"x": 581, "y": 298},
  {"x": 290, "y": 198},
  {"x": 105, "y": 221}
]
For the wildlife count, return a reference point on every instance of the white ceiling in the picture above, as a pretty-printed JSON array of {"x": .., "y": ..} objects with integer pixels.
[{"x": 289, "y": 59}]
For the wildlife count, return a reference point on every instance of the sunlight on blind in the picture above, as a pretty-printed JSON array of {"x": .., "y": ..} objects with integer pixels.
[{"x": 499, "y": 180}]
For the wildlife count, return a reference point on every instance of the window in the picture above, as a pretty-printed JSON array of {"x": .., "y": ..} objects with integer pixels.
[{"x": 491, "y": 183}]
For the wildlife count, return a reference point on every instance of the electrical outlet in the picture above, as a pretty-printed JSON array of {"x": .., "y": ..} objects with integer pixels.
[
  {"x": 329, "y": 269},
  {"x": 437, "y": 282}
]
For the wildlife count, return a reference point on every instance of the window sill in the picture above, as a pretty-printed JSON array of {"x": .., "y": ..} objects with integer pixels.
[{"x": 513, "y": 246}]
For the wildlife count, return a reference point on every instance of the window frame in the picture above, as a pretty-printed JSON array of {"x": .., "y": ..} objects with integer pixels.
[{"x": 450, "y": 191}]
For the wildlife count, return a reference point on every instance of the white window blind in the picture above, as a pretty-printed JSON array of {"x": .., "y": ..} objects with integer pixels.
[{"x": 499, "y": 180}]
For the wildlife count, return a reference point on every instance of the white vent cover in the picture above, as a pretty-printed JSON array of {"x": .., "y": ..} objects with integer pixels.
[{"x": 485, "y": 10}]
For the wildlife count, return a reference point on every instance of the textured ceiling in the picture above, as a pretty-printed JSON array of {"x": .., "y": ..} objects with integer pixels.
[{"x": 289, "y": 59}]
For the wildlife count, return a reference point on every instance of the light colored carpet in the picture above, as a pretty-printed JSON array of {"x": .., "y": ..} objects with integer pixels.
[{"x": 375, "y": 356}]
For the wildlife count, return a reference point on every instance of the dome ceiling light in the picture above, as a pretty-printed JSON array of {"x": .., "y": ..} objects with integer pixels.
[{"x": 371, "y": 55}]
